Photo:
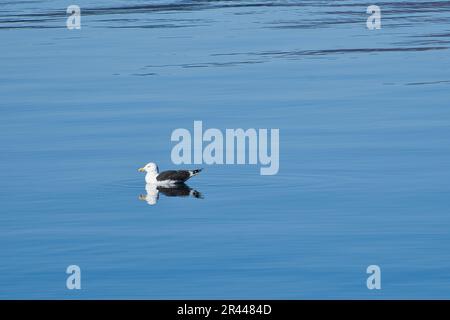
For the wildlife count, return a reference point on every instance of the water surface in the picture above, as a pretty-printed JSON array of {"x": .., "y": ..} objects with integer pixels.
[{"x": 364, "y": 127}]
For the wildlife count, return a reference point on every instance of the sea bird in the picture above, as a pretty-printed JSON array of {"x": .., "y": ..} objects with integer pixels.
[{"x": 171, "y": 177}]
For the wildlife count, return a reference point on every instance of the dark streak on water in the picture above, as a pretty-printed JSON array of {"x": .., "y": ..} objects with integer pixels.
[
  {"x": 400, "y": 14},
  {"x": 425, "y": 83}
]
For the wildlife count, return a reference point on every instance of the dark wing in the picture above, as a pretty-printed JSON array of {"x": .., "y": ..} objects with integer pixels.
[{"x": 174, "y": 175}]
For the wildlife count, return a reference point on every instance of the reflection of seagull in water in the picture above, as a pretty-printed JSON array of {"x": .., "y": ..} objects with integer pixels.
[
  {"x": 170, "y": 183},
  {"x": 170, "y": 177},
  {"x": 179, "y": 190}
]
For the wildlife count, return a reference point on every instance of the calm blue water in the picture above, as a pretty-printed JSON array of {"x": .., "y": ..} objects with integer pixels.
[{"x": 364, "y": 123}]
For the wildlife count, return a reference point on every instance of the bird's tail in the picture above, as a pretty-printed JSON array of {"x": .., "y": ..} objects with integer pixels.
[{"x": 195, "y": 172}]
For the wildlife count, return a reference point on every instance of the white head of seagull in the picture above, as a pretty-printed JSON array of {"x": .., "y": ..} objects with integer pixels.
[
  {"x": 167, "y": 177},
  {"x": 149, "y": 167},
  {"x": 152, "y": 172}
]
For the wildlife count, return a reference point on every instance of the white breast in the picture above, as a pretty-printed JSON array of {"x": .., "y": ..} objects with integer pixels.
[{"x": 150, "y": 177}]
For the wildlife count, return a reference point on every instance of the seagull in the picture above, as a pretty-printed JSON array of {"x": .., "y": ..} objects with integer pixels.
[{"x": 170, "y": 177}]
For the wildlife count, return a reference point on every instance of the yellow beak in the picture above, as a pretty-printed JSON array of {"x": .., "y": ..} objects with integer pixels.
[{"x": 141, "y": 170}]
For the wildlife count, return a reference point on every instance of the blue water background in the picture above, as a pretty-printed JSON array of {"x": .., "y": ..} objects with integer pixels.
[{"x": 364, "y": 123}]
